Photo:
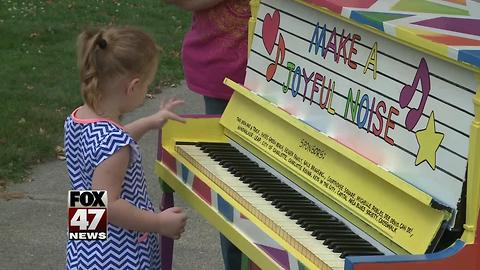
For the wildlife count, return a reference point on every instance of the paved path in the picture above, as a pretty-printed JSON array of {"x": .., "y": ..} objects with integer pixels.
[{"x": 33, "y": 229}]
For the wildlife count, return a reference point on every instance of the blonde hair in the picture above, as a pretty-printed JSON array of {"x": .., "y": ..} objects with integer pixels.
[{"x": 103, "y": 54}]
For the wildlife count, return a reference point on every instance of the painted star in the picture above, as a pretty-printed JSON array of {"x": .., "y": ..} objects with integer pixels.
[{"x": 428, "y": 142}]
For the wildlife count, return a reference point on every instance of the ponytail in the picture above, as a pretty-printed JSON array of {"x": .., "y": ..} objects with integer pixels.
[{"x": 106, "y": 53}]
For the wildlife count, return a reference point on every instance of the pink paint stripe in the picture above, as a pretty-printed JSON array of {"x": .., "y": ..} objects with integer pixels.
[
  {"x": 92, "y": 120},
  {"x": 253, "y": 266},
  {"x": 202, "y": 189},
  {"x": 169, "y": 161}
]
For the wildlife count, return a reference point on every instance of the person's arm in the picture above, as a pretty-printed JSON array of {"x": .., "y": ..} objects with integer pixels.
[
  {"x": 109, "y": 176},
  {"x": 194, "y": 5},
  {"x": 139, "y": 127}
]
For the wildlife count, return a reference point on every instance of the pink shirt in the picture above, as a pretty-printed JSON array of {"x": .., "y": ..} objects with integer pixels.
[{"x": 216, "y": 47}]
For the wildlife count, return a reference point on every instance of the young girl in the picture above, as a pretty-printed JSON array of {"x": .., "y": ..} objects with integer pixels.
[{"x": 116, "y": 67}]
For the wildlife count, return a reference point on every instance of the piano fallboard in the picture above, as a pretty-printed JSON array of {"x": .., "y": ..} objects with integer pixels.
[{"x": 398, "y": 215}]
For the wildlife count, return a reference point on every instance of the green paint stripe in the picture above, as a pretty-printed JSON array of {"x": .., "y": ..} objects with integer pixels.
[
  {"x": 427, "y": 7},
  {"x": 380, "y": 17},
  {"x": 245, "y": 265}
]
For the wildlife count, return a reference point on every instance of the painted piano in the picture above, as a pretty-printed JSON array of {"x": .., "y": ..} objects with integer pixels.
[{"x": 352, "y": 144}]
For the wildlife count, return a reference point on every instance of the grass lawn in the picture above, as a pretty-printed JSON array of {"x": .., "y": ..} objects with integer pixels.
[{"x": 39, "y": 83}]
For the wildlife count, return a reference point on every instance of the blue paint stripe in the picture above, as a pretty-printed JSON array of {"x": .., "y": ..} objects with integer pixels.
[
  {"x": 470, "y": 56},
  {"x": 184, "y": 173},
  {"x": 351, "y": 261},
  {"x": 225, "y": 208},
  {"x": 356, "y": 16}
]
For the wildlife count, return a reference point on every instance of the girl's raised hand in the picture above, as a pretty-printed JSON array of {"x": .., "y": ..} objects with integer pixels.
[{"x": 166, "y": 112}]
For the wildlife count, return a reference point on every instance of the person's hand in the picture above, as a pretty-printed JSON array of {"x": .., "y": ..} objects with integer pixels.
[
  {"x": 165, "y": 113},
  {"x": 172, "y": 222}
]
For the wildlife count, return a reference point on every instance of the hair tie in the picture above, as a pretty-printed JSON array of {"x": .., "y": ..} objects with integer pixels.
[{"x": 102, "y": 43}]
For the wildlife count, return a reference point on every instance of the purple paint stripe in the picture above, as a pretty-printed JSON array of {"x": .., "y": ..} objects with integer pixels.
[
  {"x": 167, "y": 243},
  {"x": 159, "y": 145},
  {"x": 461, "y": 25},
  {"x": 278, "y": 255}
]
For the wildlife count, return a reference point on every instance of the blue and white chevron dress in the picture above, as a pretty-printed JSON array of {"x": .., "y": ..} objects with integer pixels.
[{"x": 87, "y": 144}]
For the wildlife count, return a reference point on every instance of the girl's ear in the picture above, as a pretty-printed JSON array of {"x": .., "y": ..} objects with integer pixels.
[{"x": 131, "y": 86}]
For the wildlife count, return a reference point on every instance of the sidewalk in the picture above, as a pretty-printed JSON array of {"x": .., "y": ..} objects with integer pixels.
[{"x": 33, "y": 229}]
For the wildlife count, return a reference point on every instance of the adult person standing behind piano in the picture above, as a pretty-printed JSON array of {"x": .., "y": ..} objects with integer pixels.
[{"x": 215, "y": 48}]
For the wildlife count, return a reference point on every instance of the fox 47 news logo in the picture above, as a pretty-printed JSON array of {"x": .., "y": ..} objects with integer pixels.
[{"x": 87, "y": 215}]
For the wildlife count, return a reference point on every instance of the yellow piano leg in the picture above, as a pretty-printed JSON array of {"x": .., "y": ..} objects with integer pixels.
[{"x": 473, "y": 177}]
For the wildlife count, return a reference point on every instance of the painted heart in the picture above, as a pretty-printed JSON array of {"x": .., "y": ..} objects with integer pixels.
[{"x": 270, "y": 30}]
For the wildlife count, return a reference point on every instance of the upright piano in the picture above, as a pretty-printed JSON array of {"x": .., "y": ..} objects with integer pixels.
[{"x": 352, "y": 144}]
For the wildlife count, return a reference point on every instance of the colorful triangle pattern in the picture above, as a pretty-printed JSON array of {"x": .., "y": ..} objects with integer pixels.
[{"x": 431, "y": 24}]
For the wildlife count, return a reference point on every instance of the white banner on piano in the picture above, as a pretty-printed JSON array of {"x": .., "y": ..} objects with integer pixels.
[{"x": 406, "y": 111}]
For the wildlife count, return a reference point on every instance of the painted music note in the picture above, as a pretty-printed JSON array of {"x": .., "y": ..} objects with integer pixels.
[
  {"x": 271, "y": 25},
  {"x": 408, "y": 91}
]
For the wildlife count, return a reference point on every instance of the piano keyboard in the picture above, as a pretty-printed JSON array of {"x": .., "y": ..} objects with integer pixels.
[{"x": 319, "y": 236}]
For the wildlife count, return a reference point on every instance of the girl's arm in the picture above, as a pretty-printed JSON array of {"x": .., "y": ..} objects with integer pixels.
[
  {"x": 109, "y": 176},
  {"x": 139, "y": 127},
  {"x": 194, "y": 5}
]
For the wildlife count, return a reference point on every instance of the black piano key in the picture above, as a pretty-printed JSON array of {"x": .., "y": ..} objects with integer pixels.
[
  {"x": 298, "y": 215},
  {"x": 359, "y": 253},
  {"x": 322, "y": 228},
  {"x": 339, "y": 236},
  {"x": 258, "y": 180},
  {"x": 208, "y": 148},
  {"x": 239, "y": 170},
  {"x": 295, "y": 202},
  {"x": 307, "y": 220},
  {"x": 185, "y": 143},
  {"x": 260, "y": 185},
  {"x": 289, "y": 208},
  {"x": 345, "y": 241},
  {"x": 244, "y": 163},
  {"x": 286, "y": 202},
  {"x": 325, "y": 230},
  {"x": 224, "y": 152},
  {"x": 235, "y": 160},
  {"x": 338, "y": 248},
  {"x": 296, "y": 209},
  {"x": 312, "y": 225},
  {"x": 251, "y": 174},
  {"x": 213, "y": 143},
  {"x": 265, "y": 189},
  {"x": 311, "y": 213},
  {"x": 326, "y": 235},
  {"x": 247, "y": 178},
  {"x": 275, "y": 191},
  {"x": 280, "y": 195},
  {"x": 270, "y": 197},
  {"x": 244, "y": 168}
]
